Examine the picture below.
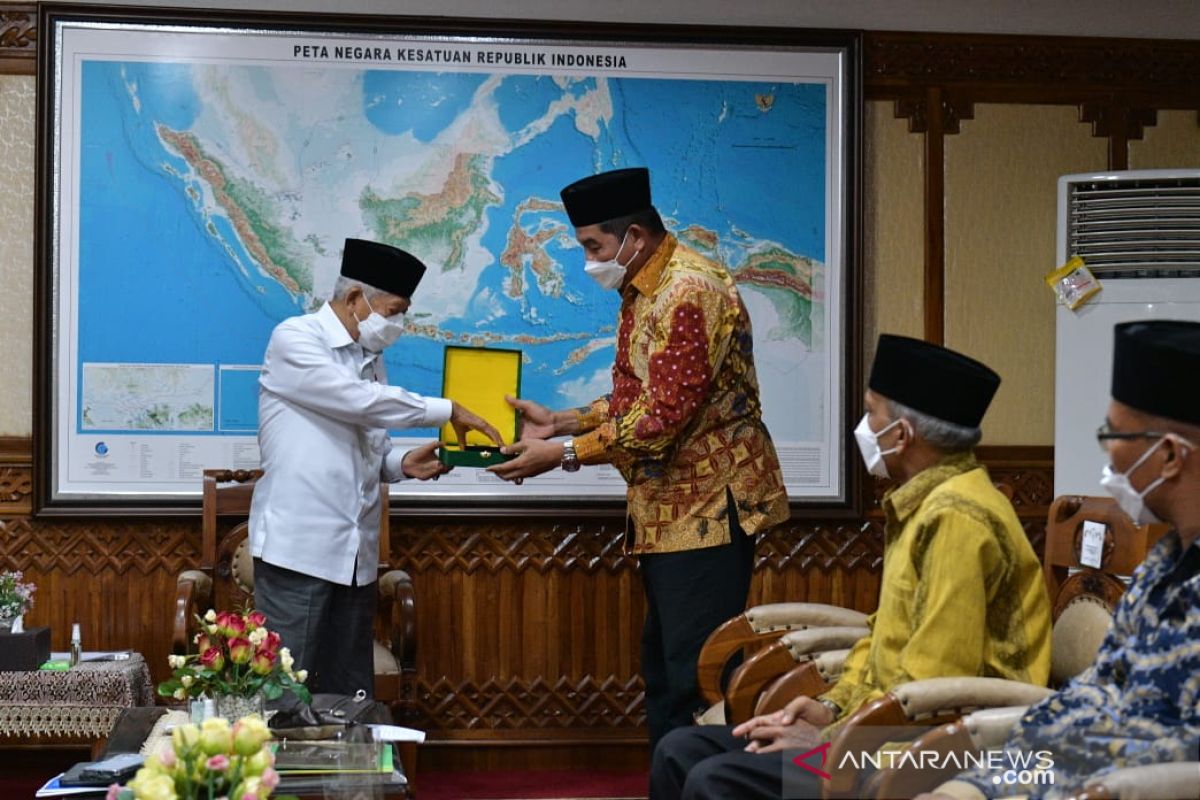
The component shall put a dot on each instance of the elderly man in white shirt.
(325, 408)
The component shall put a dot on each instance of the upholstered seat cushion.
(1078, 633)
(242, 567)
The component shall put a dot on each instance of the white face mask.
(868, 445)
(609, 274)
(377, 332)
(1131, 501)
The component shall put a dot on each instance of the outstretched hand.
(462, 419)
(534, 456)
(537, 421)
(422, 462)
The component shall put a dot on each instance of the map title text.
(445, 55)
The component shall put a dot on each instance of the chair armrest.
(810, 679)
(976, 733)
(989, 728)
(397, 602)
(762, 625)
(794, 616)
(1150, 782)
(749, 680)
(808, 645)
(937, 697)
(934, 701)
(193, 595)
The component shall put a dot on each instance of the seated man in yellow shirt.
(961, 593)
(1137, 705)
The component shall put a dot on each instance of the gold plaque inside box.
(478, 378)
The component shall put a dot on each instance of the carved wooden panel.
(18, 38)
(527, 625)
(16, 475)
(1032, 63)
(530, 706)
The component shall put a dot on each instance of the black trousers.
(327, 627)
(688, 594)
(706, 762)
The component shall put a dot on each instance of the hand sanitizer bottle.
(76, 646)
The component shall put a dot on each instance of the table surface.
(134, 725)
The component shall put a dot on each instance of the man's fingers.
(748, 726)
(492, 433)
(426, 450)
(766, 732)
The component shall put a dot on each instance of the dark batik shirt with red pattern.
(684, 422)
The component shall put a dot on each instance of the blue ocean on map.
(167, 275)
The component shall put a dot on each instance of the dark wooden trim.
(935, 220)
(16, 450)
(18, 38)
(1034, 68)
(1119, 124)
(1032, 455)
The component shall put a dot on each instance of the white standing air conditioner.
(1139, 234)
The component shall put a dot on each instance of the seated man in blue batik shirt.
(1139, 704)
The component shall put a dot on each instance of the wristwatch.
(570, 461)
(833, 707)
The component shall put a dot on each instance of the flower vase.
(6, 624)
(235, 706)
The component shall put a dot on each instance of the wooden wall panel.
(1173, 141)
(893, 234)
(1002, 173)
(528, 629)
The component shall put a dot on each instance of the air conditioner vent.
(1136, 227)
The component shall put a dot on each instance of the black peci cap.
(933, 380)
(1156, 368)
(609, 195)
(382, 266)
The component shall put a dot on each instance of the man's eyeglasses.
(1105, 433)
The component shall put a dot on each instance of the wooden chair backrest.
(227, 493)
(1125, 547)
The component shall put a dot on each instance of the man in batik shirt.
(683, 425)
(1139, 704)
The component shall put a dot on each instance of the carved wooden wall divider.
(527, 628)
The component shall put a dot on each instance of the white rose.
(302, 676)
(285, 659)
(211, 616)
(176, 662)
(257, 636)
(179, 694)
(187, 680)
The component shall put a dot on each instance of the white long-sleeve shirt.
(324, 409)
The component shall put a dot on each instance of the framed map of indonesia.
(198, 179)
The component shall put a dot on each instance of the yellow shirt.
(962, 590)
(684, 423)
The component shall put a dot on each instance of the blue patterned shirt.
(1139, 703)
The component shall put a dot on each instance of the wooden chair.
(225, 580)
(780, 665)
(749, 633)
(1083, 599)
(800, 662)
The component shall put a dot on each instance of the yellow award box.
(478, 378)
